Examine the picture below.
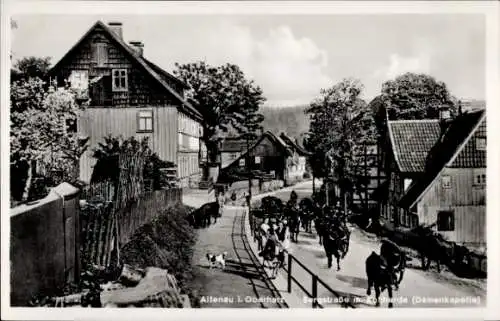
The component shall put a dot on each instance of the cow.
(395, 259)
(432, 247)
(334, 239)
(202, 217)
(306, 212)
(379, 277)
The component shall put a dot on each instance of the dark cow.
(307, 212)
(202, 217)
(395, 259)
(432, 247)
(379, 277)
(334, 239)
(292, 215)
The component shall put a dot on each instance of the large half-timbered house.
(130, 96)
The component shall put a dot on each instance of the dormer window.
(120, 81)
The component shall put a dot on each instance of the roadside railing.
(291, 279)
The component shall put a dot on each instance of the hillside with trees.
(291, 120)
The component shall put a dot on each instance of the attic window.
(481, 143)
(446, 182)
(120, 82)
(100, 53)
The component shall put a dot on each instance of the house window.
(481, 143)
(445, 221)
(242, 162)
(145, 121)
(100, 54)
(479, 179)
(446, 181)
(79, 79)
(257, 160)
(120, 80)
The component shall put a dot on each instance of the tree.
(33, 66)
(43, 133)
(412, 96)
(225, 98)
(341, 124)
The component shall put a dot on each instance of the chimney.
(116, 27)
(444, 118)
(138, 47)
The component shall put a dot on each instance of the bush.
(167, 242)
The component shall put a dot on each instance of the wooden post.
(289, 273)
(249, 176)
(314, 291)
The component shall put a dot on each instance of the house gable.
(445, 153)
(472, 155)
(146, 86)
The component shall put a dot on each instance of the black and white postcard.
(303, 156)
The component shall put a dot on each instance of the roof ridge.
(413, 121)
(393, 147)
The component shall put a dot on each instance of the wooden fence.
(50, 240)
(105, 229)
(44, 245)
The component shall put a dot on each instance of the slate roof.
(411, 141)
(452, 142)
(153, 70)
(469, 157)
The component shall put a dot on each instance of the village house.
(404, 152)
(451, 196)
(130, 96)
(364, 199)
(232, 148)
(270, 156)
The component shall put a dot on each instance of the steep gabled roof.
(269, 135)
(288, 140)
(147, 66)
(411, 141)
(444, 153)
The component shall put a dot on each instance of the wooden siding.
(463, 191)
(470, 223)
(99, 122)
(142, 89)
(467, 200)
(188, 148)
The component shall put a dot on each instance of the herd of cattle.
(274, 223)
(384, 270)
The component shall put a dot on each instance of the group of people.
(275, 237)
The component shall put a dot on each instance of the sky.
(291, 57)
